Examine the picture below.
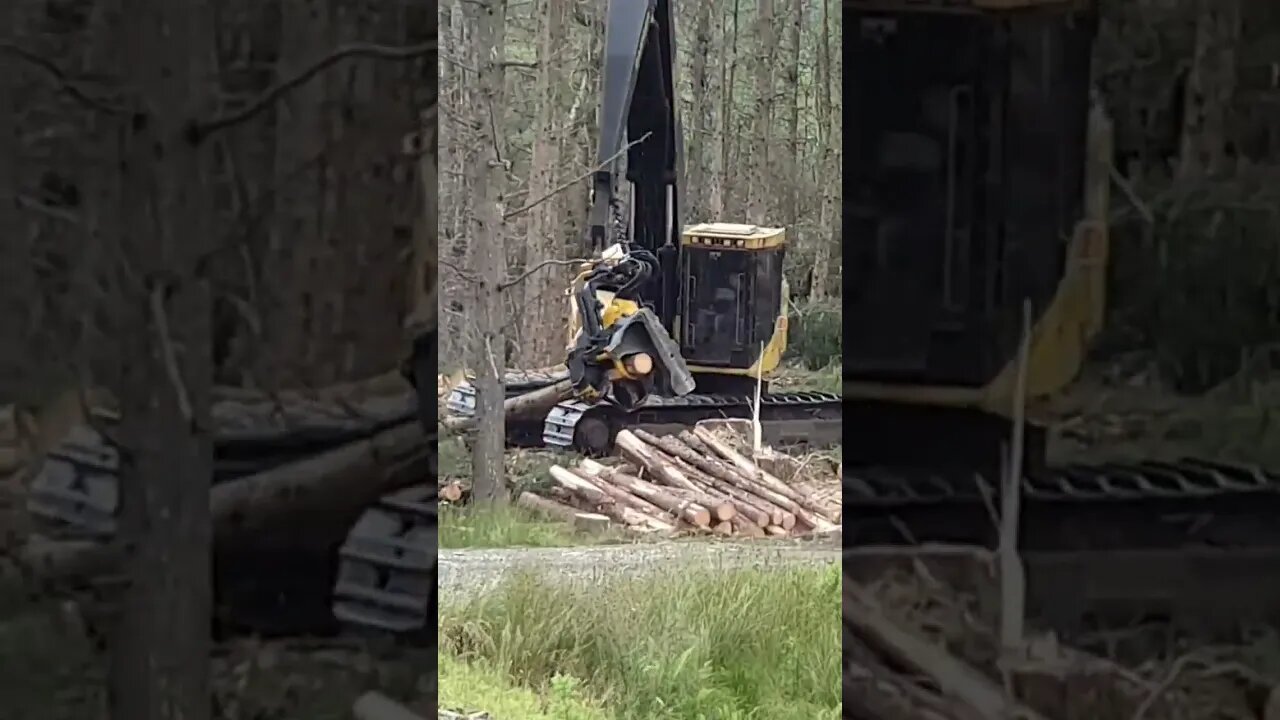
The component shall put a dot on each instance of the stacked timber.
(695, 480)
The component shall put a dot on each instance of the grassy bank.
(508, 526)
(740, 645)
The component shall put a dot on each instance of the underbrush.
(739, 645)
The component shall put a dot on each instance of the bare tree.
(544, 240)
(489, 168)
(161, 643)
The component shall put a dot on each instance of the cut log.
(686, 510)
(602, 501)
(376, 706)
(591, 523)
(335, 482)
(450, 492)
(754, 472)
(744, 526)
(652, 460)
(546, 507)
(597, 474)
(740, 506)
(724, 528)
(570, 481)
(717, 474)
(325, 486)
(655, 517)
(721, 510)
(530, 403)
(776, 531)
(793, 509)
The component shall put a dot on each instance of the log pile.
(695, 480)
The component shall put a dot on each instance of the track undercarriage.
(795, 418)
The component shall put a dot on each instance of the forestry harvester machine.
(669, 324)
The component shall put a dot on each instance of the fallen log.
(686, 510)
(591, 469)
(744, 526)
(350, 476)
(546, 507)
(529, 403)
(450, 492)
(580, 487)
(591, 522)
(715, 474)
(721, 511)
(757, 474)
(329, 487)
(602, 501)
(652, 460)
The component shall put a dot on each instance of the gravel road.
(466, 573)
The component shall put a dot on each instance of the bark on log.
(744, 526)
(740, 506)
(587, 491)
(529, 403)
(753, 471)
(347, 478)
(652, 460)
(686, 510)
(728, 479)
(546, 507)
(721, 510)
(597, 473)
(717, 475)
(602, 501)
(376, 706)
(350, 476)
(793, 511)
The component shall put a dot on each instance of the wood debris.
(919, 647)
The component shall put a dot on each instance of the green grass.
(480, 526)
(474, 686)
(744, 645)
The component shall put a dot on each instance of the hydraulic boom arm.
(639, 124)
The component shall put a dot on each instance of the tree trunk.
(542, 335)
(488, 254)
(159, 667)
(759, 183)
(700, 139)
(1211, 85)
(793, 117)
(829, 162)
(728, 128)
